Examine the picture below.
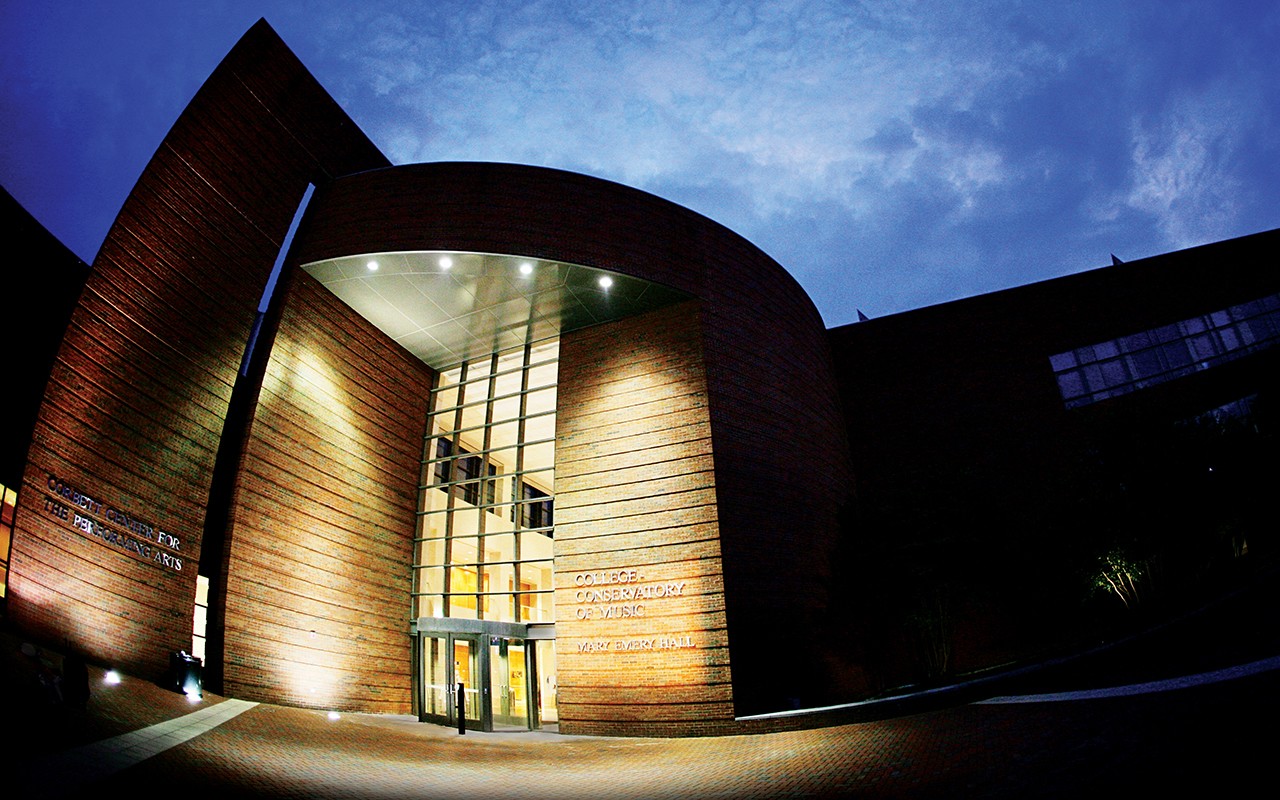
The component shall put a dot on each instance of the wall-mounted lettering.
(623, 594)
(108, 525)
(615, 594)
(636, 645)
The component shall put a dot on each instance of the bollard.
(462, 710)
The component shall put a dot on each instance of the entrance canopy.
(445, 307)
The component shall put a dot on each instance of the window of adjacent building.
(200, 617)
(8, 501)
(1148, 358)
(1239, 411)
(484, 543)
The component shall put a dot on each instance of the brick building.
(579, 449)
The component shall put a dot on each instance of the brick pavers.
(110, 710)
(1197, 737)
(1214, 738)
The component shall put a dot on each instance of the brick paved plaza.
(1213, 733)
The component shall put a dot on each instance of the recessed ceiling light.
(445, 262)
(373, 266)
(605, 281)
(526, 268)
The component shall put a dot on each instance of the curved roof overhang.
(446, 306)
(573, 229)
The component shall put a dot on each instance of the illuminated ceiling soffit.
(445, 307)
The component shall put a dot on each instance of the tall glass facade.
(486, 513)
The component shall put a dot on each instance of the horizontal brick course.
(324, 512)
(635, 458)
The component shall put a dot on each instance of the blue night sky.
(889, 154)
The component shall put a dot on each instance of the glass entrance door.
(509, 677)
(499, 671)
(434, 702)
(449, 659)
(470, 674)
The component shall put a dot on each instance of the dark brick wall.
(47, 294)
(968, 462)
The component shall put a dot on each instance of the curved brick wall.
(636, 507)
(776, 435)
(322, 524)
(127, 436)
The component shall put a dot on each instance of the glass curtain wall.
(486, 520)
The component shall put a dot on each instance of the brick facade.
(134, 410)
(317, 607)
(636, 509)
(679, 443)
(777, 435)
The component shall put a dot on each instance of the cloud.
(888, 154)
(786, 102)
(1183, 169)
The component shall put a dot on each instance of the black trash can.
(185, 674)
